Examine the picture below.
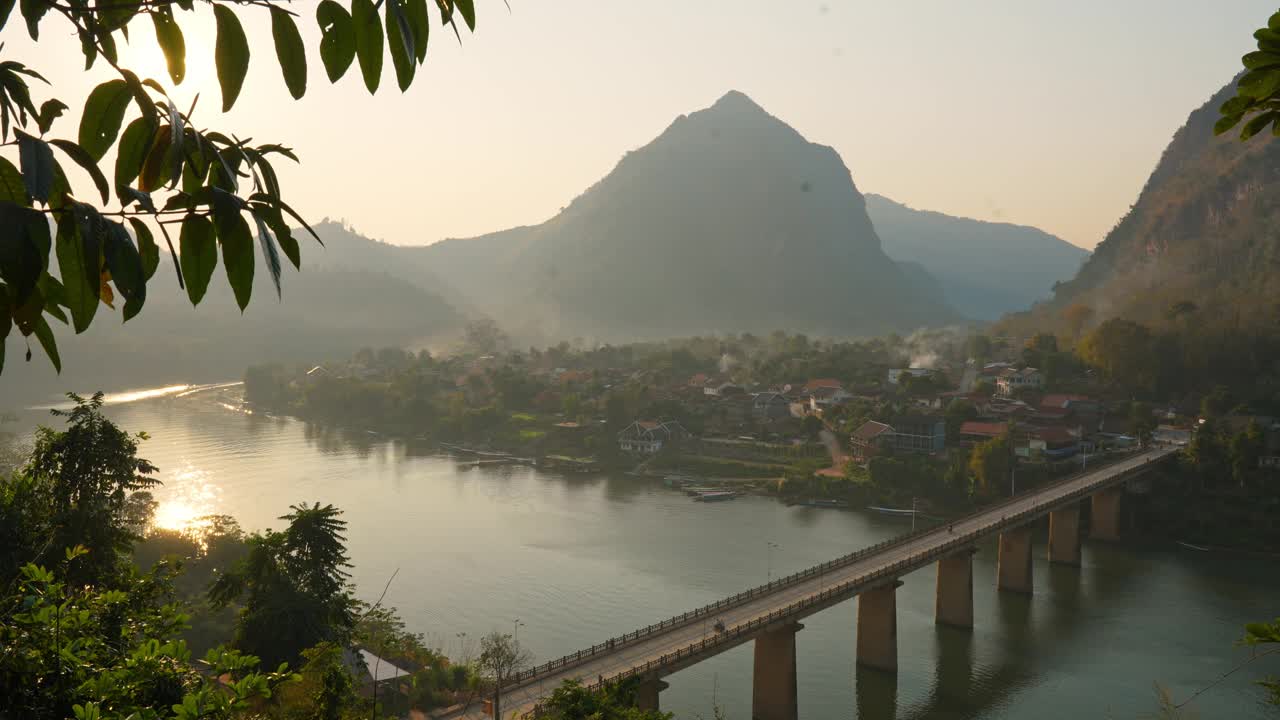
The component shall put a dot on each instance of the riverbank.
(584, 557)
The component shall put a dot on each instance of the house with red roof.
(867, 439)
(974, 432)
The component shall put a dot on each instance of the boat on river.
(822, 502)
(894, 511)
(696, 490)
(715, 496)
(1189, 546)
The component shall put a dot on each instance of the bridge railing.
(890, 572)
(806, 574)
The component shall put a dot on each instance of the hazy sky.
(1043, 113)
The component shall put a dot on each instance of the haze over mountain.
(986, 269)
(326, 312)
(1203, 230)
(728, 221)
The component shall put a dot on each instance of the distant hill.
(326, 312)
(728, 221)
(986, 269)
(1203, 230)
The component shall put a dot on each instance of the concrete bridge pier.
(647, 693)
(953, 603)
(1013, 565)
(1064, 535)
(773, 688)
(878, 627)
(1105, 514)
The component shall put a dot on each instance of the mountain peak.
(737, 100)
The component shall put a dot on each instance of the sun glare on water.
(189, 501)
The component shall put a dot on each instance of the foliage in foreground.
(88, 652)
(169, 171)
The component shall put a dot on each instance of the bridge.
(770, 614)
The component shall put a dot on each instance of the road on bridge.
(609, 663)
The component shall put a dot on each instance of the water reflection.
(875, 693)
(190, 501)
(584, 557)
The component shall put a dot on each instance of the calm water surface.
(579, 559)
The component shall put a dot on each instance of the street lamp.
(769, 560)
(515, 630)
(913, 514)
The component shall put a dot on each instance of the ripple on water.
(579, 560)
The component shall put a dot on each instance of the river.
(567, 561)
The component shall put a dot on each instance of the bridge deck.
(686, 641)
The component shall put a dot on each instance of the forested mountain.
(728, 221)
(326, 312)
(985, 269)
(1201, 239)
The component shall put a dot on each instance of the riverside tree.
(172, 175)
(77, 488)
(294, 585)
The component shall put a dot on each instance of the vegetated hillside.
(728, 221)
(1203, 231)
(986, 269)
(325, 313)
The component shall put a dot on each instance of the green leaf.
(129, 195)
(155, 169)
(271, 215)
(32, 11)
(54, 296)
(1257, 123)
(290, 52)
(277, 202)
(6, 7)
(169, 38)
(175, 156)
(421, 25)
(81, 158)
(45, 335)
(88, 48)
(1236, 105)
(132, 152)
(400, 43)
(125, 264)
(199, 255)
(23, 253)
(1225, 123)
(368, 33)
(49, 111)
(141, 98)
(80, 279)
(237, 250)
(1259, 84)
(37, 166)
(12, 187)
(148, 250)
(115, 15)
(230, 54)
(103, 113)
(338, 39)
(1267, 38)
(468, 10)
(269, 252)
(1260, 59)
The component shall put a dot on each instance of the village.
(980, 417)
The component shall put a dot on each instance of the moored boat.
(715, 496)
